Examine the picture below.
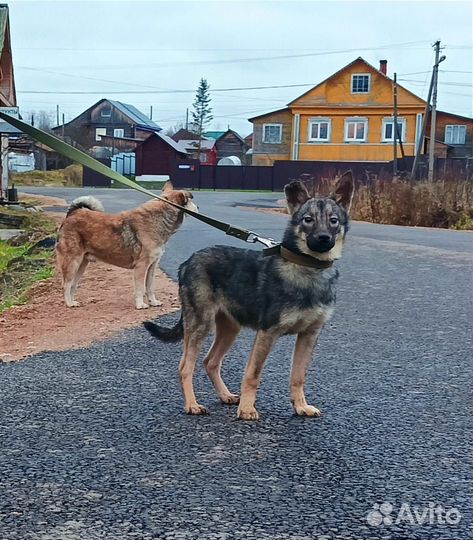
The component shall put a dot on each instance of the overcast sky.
(143, 53)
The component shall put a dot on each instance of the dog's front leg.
(150, 284)
(139, 277)
(301, 358)
(261, 348)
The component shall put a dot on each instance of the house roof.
(268, 113)
(184, 134)
(359, 59)
(192, 144)
(213, 134)
(134, 114)
(173, 144)
(455, 115)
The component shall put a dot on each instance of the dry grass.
(444, 204)
(71, 176)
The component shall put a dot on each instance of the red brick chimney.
(383, 66)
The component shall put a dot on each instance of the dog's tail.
(168, 335)
(91, 203)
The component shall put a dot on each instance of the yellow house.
(347, 117)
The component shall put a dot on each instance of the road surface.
(94, 443)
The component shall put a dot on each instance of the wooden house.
(110, 119)
(349, 117)
(7, 79)
(157, 154)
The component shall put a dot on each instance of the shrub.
(442, 204)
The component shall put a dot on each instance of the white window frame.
(353, 75)
(356, 120)
(106, 110)
(119, 132)
(390, 120)
(99, 132)
(458, 126)
(280, 126)
(319, 120)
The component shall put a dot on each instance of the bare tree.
(43, 120)
(170, 131)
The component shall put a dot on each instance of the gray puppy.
(291, 291)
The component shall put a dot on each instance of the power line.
(175, 91)
(245, 60)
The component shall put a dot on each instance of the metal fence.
(191, 174)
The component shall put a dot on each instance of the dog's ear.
(296, 195)
(167, 186)
(181, 198)
(344, 191)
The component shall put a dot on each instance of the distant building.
(208, 150)
(105, 123)
(228, 143)
(157, 155)
(349, 117)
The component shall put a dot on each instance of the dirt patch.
(105, 292)
(278, 211)
(41, 200)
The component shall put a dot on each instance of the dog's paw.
(249, 413)
(73, 304)
(141, 305)
(230, 399)
(195, 408)
(307, 410)
(155, 303)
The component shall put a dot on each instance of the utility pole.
(63, 122)
(187, 119)
(433, 116)
(395, 125)
(150, 112)
(57, 115)
(420, 142)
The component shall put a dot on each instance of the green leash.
(84, 159)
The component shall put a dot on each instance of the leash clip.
(267, 242)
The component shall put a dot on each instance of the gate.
(124, 163)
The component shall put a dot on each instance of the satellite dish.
(230, 160)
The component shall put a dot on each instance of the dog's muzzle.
(320, 243)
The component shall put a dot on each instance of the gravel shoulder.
(105, 292)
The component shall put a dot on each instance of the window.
(388, 129)
(106, 112)
(356, 130)
(455, 134)
(319, 129)
(272, 133)
(118, 132)
(360, 84)
(99, 132)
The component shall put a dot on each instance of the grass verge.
(23, 260)
(71, 176)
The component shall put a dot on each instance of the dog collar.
(296, 258)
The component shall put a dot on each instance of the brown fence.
(191, 174)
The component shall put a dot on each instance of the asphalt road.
(94, 443)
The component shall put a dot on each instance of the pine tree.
(202, 113)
